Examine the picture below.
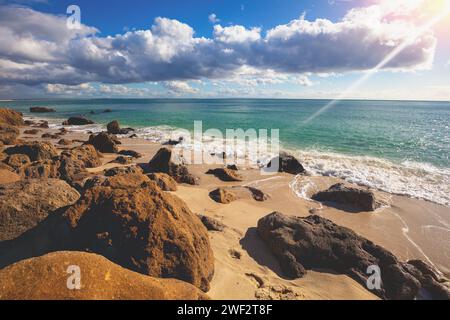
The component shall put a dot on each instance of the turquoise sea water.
(381, 139)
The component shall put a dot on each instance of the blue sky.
(224, 48)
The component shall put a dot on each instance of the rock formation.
(317, 243)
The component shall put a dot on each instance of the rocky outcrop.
(317, 243)
(104, 142)
(164, 181)
(17, 161)
(130, 153)
(212, 224)
(223, 196)
(77, 121)
(357, 198)
(162, 163)
(225, 174)
(100, 280)
(36, 151)
(41, 110)
(8, 134)
(11, 117)
(287, 163)
(85, 154)
(114, 128)
(26, 203)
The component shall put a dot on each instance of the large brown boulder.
(104, 142)
(317, 243)
(129, 220)
(162, 163)
(8, 134)
(41, 110)
(77, 121)
(358, 198)
(26, 203)
(36, 151)
(164, 181)
(86, 154)
(42, 169)
(47, 278)
(11, 117)
(225, 174)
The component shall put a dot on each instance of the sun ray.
(392, 55)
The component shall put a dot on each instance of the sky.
(323, 49)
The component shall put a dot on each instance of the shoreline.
(410, 228)
(413, 179)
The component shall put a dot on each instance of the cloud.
(213, 18)
(38, 49)
(179, 87)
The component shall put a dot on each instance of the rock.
(77, 121)
(223, 196)
(29, 122)
(212, 224)
(50, 136)
(8, 134)
(225, 174)
(32, 131)
(100, 280)
(287, 163)
(317, 243)
(36, 151)
(26, 203)
(130, 153)
(4, 166)
(17, 161)
(43, 124)
(104, 142)
(42, 169)
(173, 142)
(41, 110)
(360, 199)
(162, 163)
(122, 170)
(257, 194)
(130, 221)
(133, 136)
(64, 142)
(114, 128)
(85, 154)
(164, 181)
(107, 111)
(6, 176)
(63, 131)
(11, 117)
(123, 160)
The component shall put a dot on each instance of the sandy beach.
(244, 266)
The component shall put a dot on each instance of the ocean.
(402, 147)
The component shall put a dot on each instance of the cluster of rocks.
(54, 213)
(301, 244)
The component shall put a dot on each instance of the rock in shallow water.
(358, 198)
(100, 280)
(77, 121)
(317, 243)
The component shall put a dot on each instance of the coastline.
(410, 228)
